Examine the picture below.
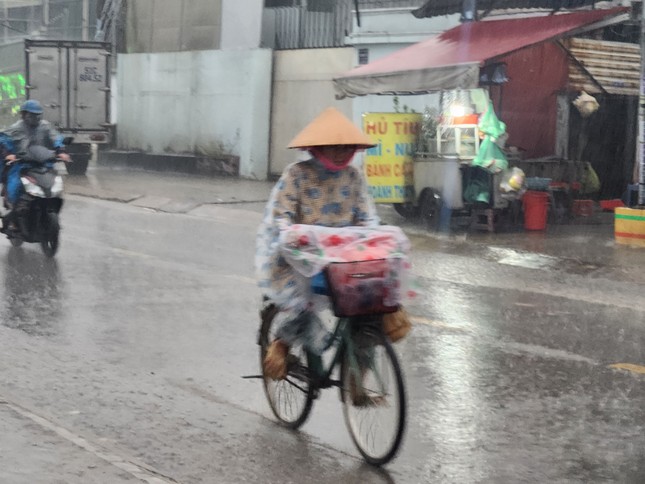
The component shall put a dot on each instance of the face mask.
(32, 120)
(328, 163)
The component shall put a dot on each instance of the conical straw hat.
(331, 127)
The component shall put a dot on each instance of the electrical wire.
(3, 24)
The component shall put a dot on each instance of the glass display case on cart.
(460, 140)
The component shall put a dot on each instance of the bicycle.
(370, 382)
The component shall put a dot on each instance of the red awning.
(452, 60)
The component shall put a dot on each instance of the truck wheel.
(430, 209)
(78, 166)
(406, 210)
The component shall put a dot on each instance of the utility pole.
(5, 21)
(641, 115)
(45, 28)
(85, 16)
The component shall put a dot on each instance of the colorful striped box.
(629, 226)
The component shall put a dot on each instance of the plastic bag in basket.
(309, 249)
(364, 287)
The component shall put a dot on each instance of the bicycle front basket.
(359, 288)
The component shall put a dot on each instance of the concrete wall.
(173, 25)
(180, 25)
(209, 103)
(241, 24)
(302, 88)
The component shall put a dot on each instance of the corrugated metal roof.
(435, 8)
(20, 3)
(613, 65)
(452, 60)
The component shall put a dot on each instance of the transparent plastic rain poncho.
(314, 217)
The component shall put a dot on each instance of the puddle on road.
(523, 259)
(461, 245)
(532, 260)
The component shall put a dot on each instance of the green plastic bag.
(490, 125)
(490, 155)
(590, 183)
(477, 184)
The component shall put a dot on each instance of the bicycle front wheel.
(373, 395)
(290, 398)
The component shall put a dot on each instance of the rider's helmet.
(31, 111)
(31, 106)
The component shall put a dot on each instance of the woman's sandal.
(360, 398)
(275, 360)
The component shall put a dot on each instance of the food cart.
(440, 164)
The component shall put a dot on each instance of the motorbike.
(35, 215)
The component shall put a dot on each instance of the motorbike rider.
(30, 130)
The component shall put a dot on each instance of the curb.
(227, 165)
(102, 194)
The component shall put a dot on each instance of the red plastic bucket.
(535, 208)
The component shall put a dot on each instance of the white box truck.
(72, 81)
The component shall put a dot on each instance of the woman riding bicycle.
(322, 189)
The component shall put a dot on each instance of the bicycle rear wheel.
(290, 399)
(373, 395)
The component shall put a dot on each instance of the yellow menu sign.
(389, 165)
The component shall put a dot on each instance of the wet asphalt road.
(129, 347)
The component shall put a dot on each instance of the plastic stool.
(583, 208)
(630, 197)
(483, 219)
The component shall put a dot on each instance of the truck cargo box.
(72, 81)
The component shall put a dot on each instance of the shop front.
(517, 69)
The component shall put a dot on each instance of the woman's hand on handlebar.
(10, 159)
